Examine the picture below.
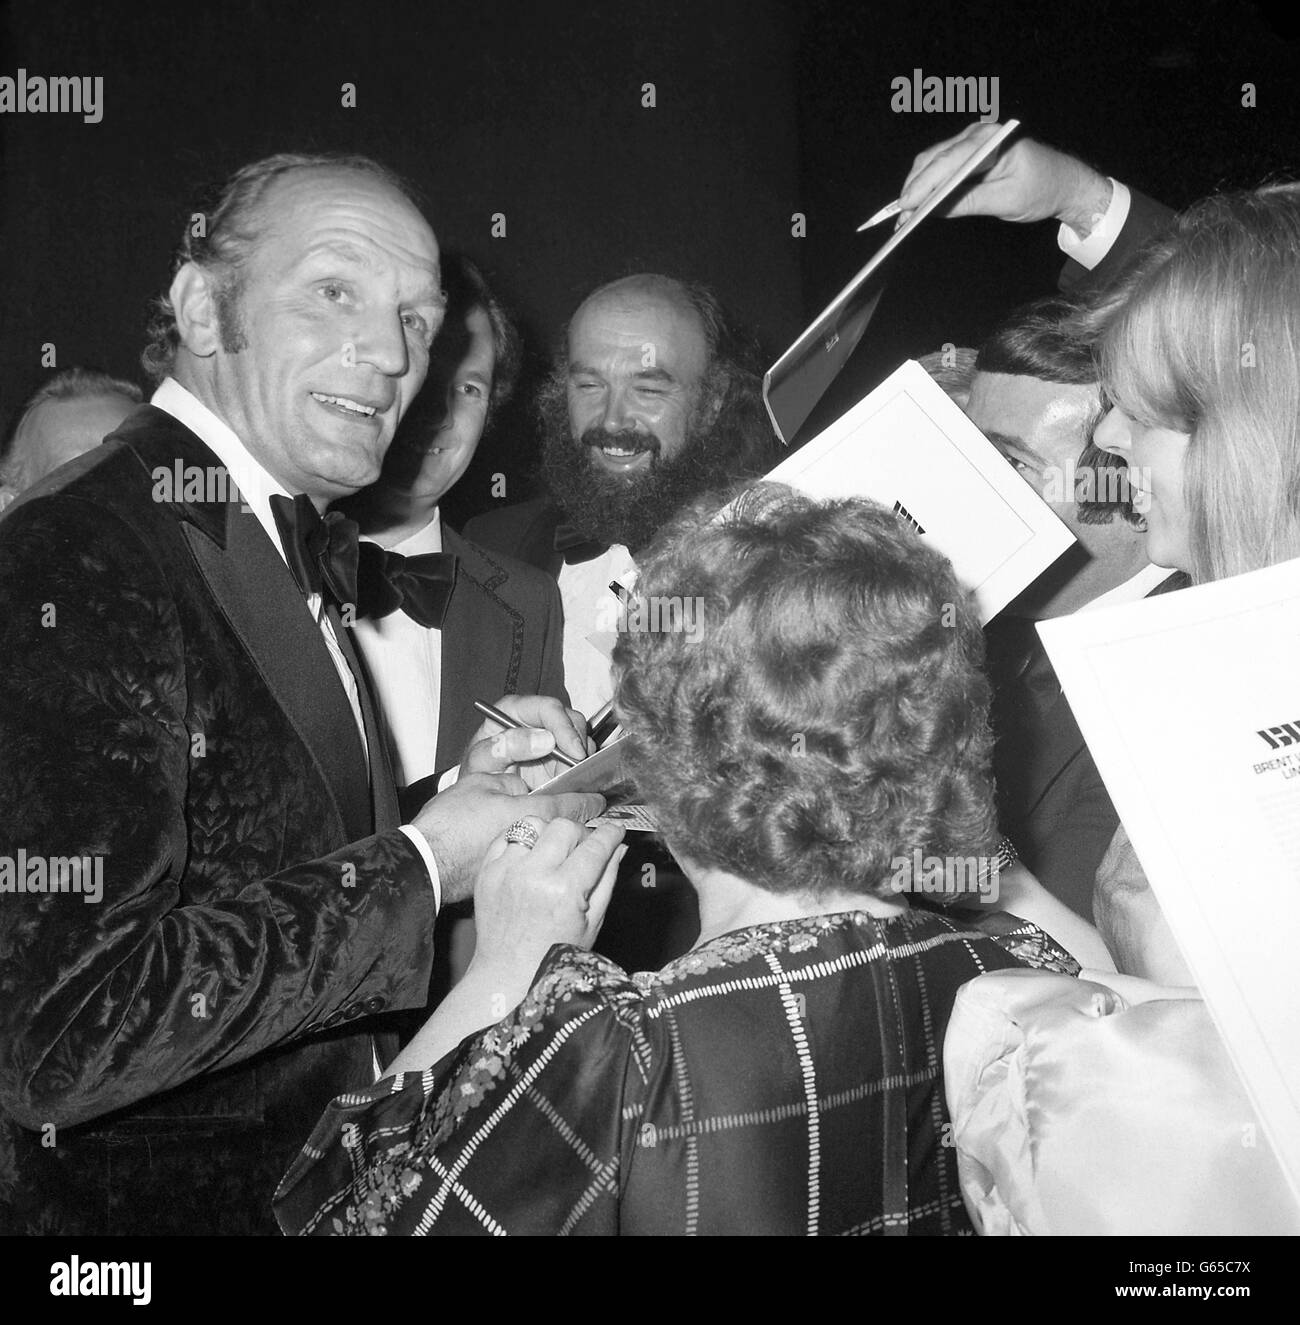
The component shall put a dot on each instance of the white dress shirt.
(404, 660)
(1132, 589)
(1089, 252)
(256, 488)
(588, 637)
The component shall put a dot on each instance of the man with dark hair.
(184, 717)
(1035, 396)
(499, 627)
(72, 412)
(952, 368)
(656, 399)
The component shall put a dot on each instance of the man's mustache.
(626, 439)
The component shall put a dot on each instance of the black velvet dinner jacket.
(169, 708)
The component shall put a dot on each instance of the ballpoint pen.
(496, 714)
(888, 210)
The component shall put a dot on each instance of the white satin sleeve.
(1075, 1112)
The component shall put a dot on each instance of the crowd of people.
(239, 654)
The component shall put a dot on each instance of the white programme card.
(909, 447)
(603, 772)
(1190, 705)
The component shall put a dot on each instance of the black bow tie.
(420, 586)
(321, 552)
(577, 546)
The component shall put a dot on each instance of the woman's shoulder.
(573, 980)
(847, 938)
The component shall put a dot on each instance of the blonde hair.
(1203, 336)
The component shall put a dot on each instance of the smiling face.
(1157, 459)
(637, 360)
(337, 306)
(426, 462)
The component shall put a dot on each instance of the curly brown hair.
(829, 716)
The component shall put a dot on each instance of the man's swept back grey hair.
(228, 232)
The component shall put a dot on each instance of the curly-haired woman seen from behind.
(806, 715)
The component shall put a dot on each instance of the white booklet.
(1190, 704)
(604, 772)
(910, 448)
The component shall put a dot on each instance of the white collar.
(426, 539)
(1132, 589)
(256, 485)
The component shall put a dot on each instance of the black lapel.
(482, 646)
(1175, 580)
(1062, 740)
(256, 593)
(1037, 737)
(1065, 740)
(383, 785)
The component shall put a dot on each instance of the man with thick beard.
(656, 399)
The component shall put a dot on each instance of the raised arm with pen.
(1102, 221)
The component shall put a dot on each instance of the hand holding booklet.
(603, 772)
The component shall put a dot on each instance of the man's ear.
(195, 306)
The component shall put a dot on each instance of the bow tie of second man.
(327, 557)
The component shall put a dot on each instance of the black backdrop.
(763, 108)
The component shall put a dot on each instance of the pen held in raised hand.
(888, 210)
(499, 715)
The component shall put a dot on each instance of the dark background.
(764, 108)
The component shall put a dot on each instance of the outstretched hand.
(526, 900)
(1026, 181)
(463, 821)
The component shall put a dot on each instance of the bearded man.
(657, 399)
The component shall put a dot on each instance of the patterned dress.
(780, 1079)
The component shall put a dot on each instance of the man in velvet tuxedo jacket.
(185, 712)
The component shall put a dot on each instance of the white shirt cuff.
(430, 864)
(1089, 252)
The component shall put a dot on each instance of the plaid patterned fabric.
(758, 1084)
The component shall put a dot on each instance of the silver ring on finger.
(523, 834)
